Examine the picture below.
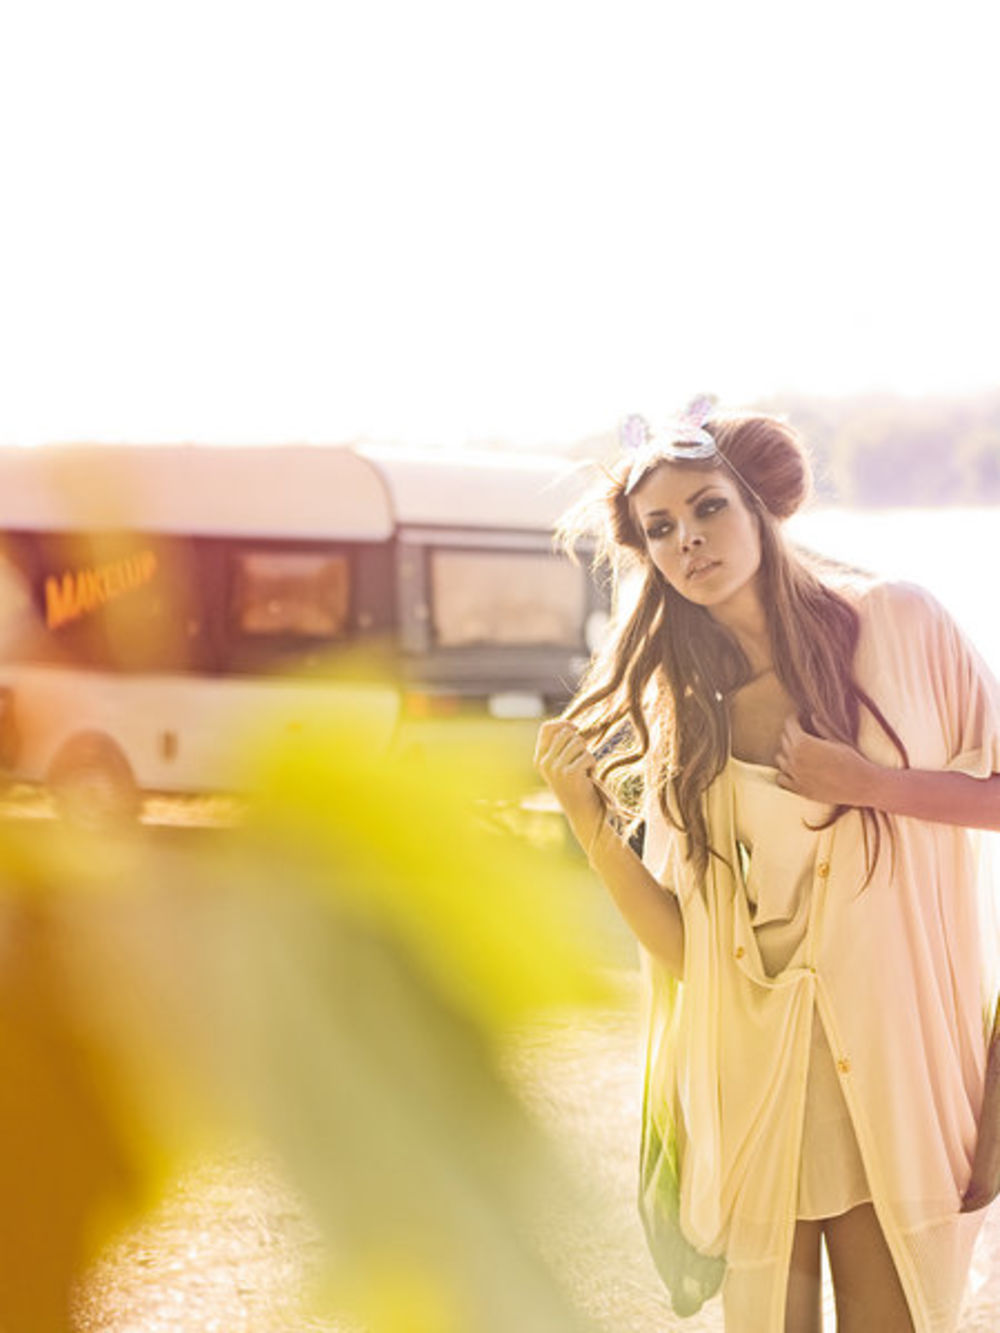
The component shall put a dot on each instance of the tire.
(93, 785)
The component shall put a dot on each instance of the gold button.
(740, 951)
(843, 1066)
(823, 869)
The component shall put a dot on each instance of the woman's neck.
(744, 616)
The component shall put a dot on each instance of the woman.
(813, 911)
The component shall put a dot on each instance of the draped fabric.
(777, 833)
(902, 974)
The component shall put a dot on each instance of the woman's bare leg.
(865, 1282)
(803, 1309)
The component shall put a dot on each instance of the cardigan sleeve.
(971, 703)
(659, 853)
(943, 683)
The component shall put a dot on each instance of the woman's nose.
(690, 539)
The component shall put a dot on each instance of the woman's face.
(699, 533)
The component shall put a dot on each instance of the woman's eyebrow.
(658, 513)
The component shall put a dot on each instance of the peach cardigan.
(903, 976)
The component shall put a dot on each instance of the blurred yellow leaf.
(402, 842)
(67, 1172)
(333, 980)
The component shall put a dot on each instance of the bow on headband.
(682, 437)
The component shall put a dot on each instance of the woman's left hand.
(823, 770)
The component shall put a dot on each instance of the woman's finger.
(564, 747)
(818, 729)
(581, 763)
(543, 740)
(791, 732)
(553, 737)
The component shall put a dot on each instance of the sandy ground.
(231, 1252)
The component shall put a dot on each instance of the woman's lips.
(702, 568)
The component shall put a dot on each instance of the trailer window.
(115, 601)
(291, 594)
(506, 597)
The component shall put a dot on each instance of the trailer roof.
(206, 490)
(278, 490)
(437, 488)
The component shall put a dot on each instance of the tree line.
(880, 449)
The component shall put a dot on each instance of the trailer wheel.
(93, 785)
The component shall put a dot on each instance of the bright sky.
(468, 219)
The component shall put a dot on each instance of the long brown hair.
(663, 680)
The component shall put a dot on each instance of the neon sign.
(76, 593)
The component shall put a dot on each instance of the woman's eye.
(712, 505)
(657, 530)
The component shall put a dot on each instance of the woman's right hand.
(568, 767)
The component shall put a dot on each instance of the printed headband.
(682, 437)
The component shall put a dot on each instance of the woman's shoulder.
(902, 622)
(892, 601)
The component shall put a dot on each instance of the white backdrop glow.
(464, 220)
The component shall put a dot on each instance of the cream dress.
(776, 844)
(897, 980)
